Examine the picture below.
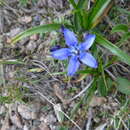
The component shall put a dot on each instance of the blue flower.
(77, 52)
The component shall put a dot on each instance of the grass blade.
(82, 4)
(11, 62)
(114, 49)
(34, 30)
(100, 9)
(122, 10)
(120, 28)
(123, 85)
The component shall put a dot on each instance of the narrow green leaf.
(120, 28)
(103, 83)
(122, 10)
(77, 21)
(125, 37)
(11, 62)
(112, 48)
(34, 30)
(82, 4)
(87, 71)
(101, 87)
(84, 15)
(100, 8)
(123, 85)
(2, 79)
(62, 128)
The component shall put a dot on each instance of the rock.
(50, 119)
(25, 127)
(25, 111)
(97, 101)
(25, 19)
(29, 112)
(34, 37)
(2, 109)
(35, 108)
(42, 117)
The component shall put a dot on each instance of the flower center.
(75, 50)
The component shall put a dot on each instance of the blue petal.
(73, 65)
(61, 54)
(70, 37)
(89, 40)
(88, 59)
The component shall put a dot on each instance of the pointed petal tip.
(95, 66)
(89, 40)
(90, 37)
(70, 37)
(88, 59)
(70, 74)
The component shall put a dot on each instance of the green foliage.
(113, 48)
(123, 85)
(120, 28)
(77, 21)
(62, 128)
(100, 8)
(23, 2)
(12, 62)
(85, 20)
(2, 2)
(124, 29)
(35, 30)
(125, 37)
(93, 17)
(124, 11)
(2, 79)
(82, 4)
(14, 94)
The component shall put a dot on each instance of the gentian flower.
(78, 53)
